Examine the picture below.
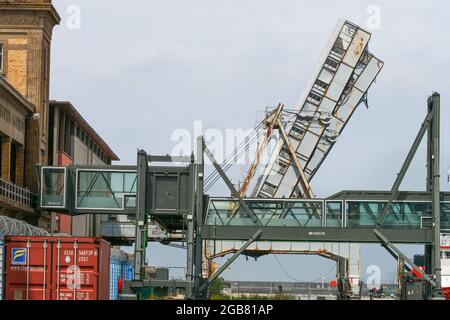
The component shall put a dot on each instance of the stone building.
(34, 130)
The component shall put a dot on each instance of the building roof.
(76, 116)
(35, 5)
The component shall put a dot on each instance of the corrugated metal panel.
(122, 267)
(53, 268)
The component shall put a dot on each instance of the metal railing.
(15, 194)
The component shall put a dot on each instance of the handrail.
(15, 193)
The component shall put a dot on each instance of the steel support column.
(141, 216)
(434, 105)
(198, 219)
(191, 235)
(344, 286)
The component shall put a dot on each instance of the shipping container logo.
(19, 256)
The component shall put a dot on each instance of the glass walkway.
(323, 213)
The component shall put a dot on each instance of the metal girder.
(141, 219)
(434, 108)
(405, 166)
(230, 261)
(307, 191)
(271, 120)
(396, 252)
(294, 234)
(230, 186)
(168, 158)
(176, 284)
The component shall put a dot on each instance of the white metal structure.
(339, 85)
(345, 73)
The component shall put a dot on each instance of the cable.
(296, 280)
(285, 271)
(326, 274)
(236, 154)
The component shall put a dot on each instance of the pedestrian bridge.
(347, 216)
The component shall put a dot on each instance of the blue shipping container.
(121, 267)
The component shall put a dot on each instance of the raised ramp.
(346, 71)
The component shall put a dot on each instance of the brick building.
(33, 129)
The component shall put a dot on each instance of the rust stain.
(360, 47)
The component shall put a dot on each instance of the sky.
(139, 70)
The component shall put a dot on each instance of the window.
(297, 132)
(282, 167)
(337, 51)
(321, 86)
(269, 188)
(285, 153)
(331, 64)
(314, 98)
(2, 55)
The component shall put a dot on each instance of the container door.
(75, 271)
(28, 270)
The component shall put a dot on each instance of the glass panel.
(445, 215)
(405, 215)
(271, 213)
(334, 214)
(104, 189)
(53, 188)
(301, 213)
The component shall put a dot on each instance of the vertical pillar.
(141, 217)
(190, 234)
(198, 263)
(434, 101)
(20, 156)
(6, 158)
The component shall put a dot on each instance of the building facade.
(33, 130)
(73, 141)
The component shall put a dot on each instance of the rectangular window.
(297, 132)
(269, 188)
(338, 52)
(320, 86)
(331, 64)
(282, 167)
(314, 98)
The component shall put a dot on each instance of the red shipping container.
(56, 268)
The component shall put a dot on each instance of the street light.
(33, 116)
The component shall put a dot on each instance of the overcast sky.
(138, 70)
